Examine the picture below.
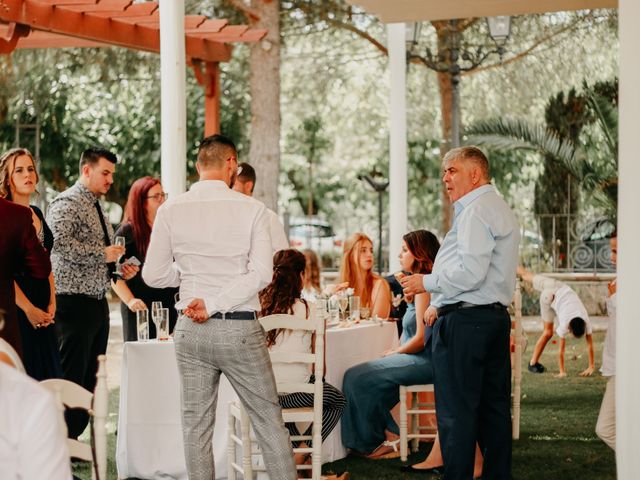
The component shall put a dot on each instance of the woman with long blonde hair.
(357, 271)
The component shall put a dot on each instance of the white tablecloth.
(149, 441)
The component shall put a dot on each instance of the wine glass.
(343, 303)
(120, 242)
(156, 307)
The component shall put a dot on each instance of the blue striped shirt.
(478, 257)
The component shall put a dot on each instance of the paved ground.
(531, 325)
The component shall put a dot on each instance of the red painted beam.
(98, 27)
(104, 6)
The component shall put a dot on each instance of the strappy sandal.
(384, 446)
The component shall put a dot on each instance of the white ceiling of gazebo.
(422, 10)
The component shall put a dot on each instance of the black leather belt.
(234, 315)
(464, 305)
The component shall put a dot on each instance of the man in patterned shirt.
(80, 256)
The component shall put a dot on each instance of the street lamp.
(457, 57)
(380, 187)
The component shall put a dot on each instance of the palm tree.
(599, 179)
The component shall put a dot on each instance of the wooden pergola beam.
(119, 23)
(100, 23)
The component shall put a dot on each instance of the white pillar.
(173, 104)
(397, 141)
(628, 323)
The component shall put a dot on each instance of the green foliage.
(560, 142)
(308, 144)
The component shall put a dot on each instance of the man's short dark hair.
(214, 150)
(577, 327)
(246, 173)
(91, 156)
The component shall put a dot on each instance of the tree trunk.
(264, 153)
(444, 86)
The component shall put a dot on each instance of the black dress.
(41, 353)
(144, 292)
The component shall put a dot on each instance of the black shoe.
(536, 368)
(427, 471)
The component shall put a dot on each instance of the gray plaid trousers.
(236, 348)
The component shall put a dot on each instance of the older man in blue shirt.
(471, 284)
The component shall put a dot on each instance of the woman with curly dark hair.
(282, 295)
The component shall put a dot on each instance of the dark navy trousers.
(472, 373)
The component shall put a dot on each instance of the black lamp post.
(380, 187)
(458, 56)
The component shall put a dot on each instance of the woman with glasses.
(145, 197)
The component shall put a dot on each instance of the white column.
(173, 97)
(628, 323)
(397, 141)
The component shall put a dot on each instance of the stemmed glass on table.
(343, 303)
(160, 317)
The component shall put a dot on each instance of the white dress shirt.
(279, 240)
(214, 243)
(32, 446)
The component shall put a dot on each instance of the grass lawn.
(557, 438)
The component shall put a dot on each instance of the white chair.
(72, 395)
(237, 413)
(11, 355)
(415, 409)
(516, 362)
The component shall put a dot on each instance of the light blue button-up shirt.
(478, 257)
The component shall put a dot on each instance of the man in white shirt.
(245, 183)
(559, 300)
(606, 425)
(32, 446)
(214, 244)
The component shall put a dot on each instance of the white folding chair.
(516, 362)
(11, 354)
(237, 413)
(415, 409)
(72, 395)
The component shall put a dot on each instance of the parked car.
(317, 235)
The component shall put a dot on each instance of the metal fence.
(567, 243)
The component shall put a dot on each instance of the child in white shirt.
(559, 300)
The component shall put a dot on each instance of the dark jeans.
(82, 324)
(472, 384)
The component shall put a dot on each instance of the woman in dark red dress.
(35, 297)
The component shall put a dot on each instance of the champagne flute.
(155, 314)
(120, 242)
(343, 303)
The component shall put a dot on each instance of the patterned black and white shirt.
(77, 258)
